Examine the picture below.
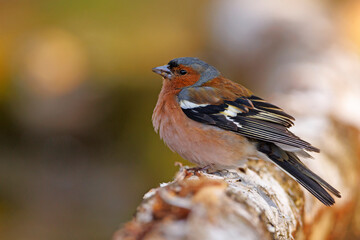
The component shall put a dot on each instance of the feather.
(297, 170)
(252, 117)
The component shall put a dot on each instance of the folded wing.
(249, 116)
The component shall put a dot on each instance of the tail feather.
(292, 165)
(296, 161)
(307, 182)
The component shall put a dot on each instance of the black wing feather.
(256, 119)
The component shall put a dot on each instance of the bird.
(212, 121)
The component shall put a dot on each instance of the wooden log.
(258, 201)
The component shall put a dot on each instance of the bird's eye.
(183, 72)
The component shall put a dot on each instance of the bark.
(258, 201)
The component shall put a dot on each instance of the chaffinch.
(212, 121)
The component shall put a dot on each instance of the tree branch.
(256, 202)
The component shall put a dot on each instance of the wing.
(249, 115)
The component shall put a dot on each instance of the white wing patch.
(231, 111)
(185, 104)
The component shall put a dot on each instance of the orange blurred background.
(77, 147)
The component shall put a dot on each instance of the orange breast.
(199, 143)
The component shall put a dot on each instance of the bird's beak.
(164, 71)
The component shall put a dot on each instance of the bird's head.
(187, 71)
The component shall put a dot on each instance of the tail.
(292, 165)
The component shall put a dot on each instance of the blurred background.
(77, 147)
